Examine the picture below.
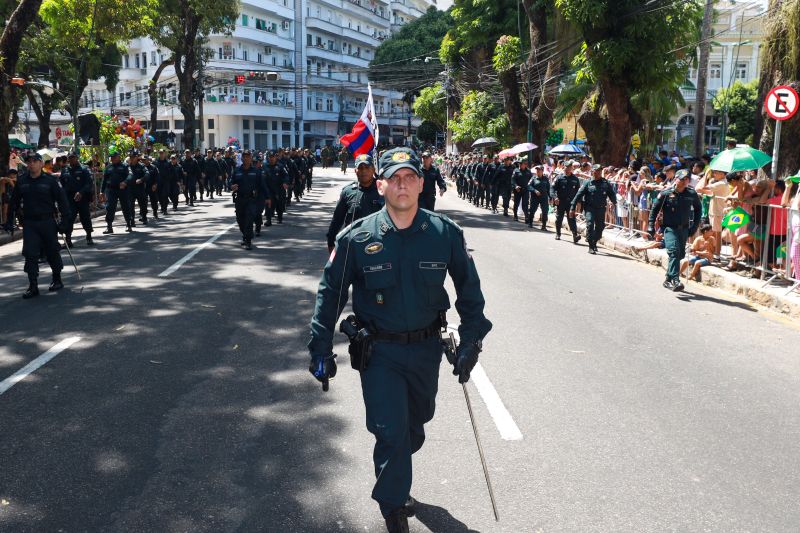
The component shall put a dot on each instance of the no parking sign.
(781, 104)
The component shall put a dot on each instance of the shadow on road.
(439, 520)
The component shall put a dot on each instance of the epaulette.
(353, 225)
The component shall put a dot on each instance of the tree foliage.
(629, 47)
(399, 62)
(427, 132)
(741, 105)
(477, 24)
(507, 53)
(480, 117)
(431, 105)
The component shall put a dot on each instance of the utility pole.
(702, 79)
(200, 98)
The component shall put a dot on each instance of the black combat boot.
(56, 284)
(108, 230)
(410, 506)
(33, 289)
(67, 241)
(129, 228)
(89, 241)
(397, 521)
(248, 245)
(576, 238)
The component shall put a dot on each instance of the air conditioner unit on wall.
(285, 24)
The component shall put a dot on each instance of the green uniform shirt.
(398, 278)
(593, 194)
(679, 209)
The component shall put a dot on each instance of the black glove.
(466, 359)
(323, 367)
(651, 230)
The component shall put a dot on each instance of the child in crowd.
(702, 252)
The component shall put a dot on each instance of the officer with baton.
(397, 260)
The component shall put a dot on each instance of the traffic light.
(256, 75)
(239, 79)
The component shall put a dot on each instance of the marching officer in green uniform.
(564, 189)
(357, 200)
(397, 260)
(592, 196)
(38, 196)
(681, 208)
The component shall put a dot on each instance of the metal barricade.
(781, 249)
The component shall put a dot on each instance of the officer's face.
(247, 160)
(35, 166)
(365, 173)
(402, 190)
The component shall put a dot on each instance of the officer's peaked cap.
(393, 160)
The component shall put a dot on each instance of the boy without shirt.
(702, 252)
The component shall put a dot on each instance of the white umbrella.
(522, 148)
(566, 149)
(47, 154)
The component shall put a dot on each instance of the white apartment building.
(320, 50)
(735, 55)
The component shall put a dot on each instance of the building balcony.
(401, 7)
(354, 35)
(362, 9)
(332, 26)
(284, 12)
(355, 60)
(313, 114)
(335, 4)
(252, 108)
(324, 53)
(132, 74)
(261, 37)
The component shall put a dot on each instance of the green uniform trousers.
(675, 243)
(399, 387)
(595, 224)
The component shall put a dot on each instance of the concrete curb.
(772, 297)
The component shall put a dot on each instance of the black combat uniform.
(251, 195)
(138, 188)
(191, 171)
(37, 200)
(539, 188)
(116, 179)
(433, 179)
(355, 202)
(78, 180)
(520, 180)
(502, 182)
(278, 183)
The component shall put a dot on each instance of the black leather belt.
(409, 337)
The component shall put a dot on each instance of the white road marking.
(193, 253)
(37, 363)
(502, 418)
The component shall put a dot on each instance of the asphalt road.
(186, 405)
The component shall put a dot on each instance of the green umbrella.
(16, 143)
(737, 159)
(794, 179)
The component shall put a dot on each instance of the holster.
(361, 342)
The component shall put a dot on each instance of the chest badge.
(362, 236)
(373, 248)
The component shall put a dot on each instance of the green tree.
(431, 105)
(14, 30)
(183, 29)
(741, 105)
(629, 47)
(478, 117)
(400, 61)
(780, 66)
(427, 132)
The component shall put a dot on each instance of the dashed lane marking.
(187, 257)
(37, 363)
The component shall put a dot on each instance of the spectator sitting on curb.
(701, 253)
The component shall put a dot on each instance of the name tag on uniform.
(377, 268)
(431, 265)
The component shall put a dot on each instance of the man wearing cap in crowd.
(38, 196)
(397, 260)
(519, 180)
(564, 189)
(682, 212)
(140, 177)
(252, 194)
(539, 188)
(79, 187)
(502, 184)
(191, 171)
(356, 200)
(593, 196)
(432, 179)
(114, 190)
(278, 181)
(153, 180)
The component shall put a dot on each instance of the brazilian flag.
(736, 219)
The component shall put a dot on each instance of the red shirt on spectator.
(779, 215)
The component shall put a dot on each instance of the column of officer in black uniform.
(251, 195)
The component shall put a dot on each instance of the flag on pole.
(364, 137)
(736, 219)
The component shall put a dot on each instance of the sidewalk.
(774, 296)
